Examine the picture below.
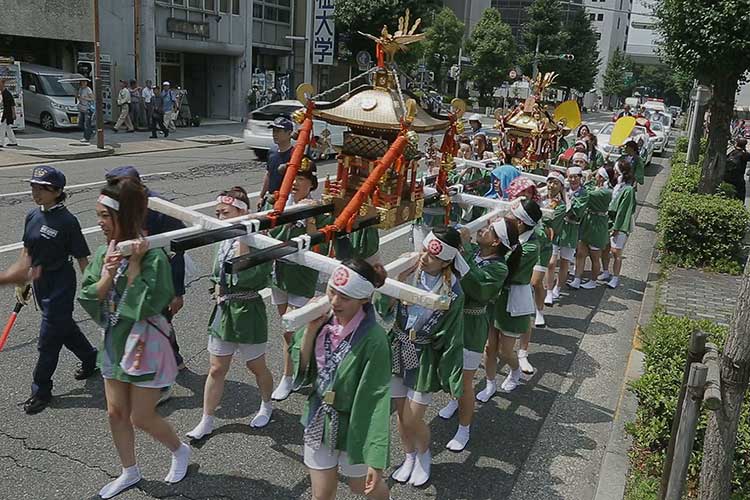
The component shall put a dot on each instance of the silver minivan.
(46, 100)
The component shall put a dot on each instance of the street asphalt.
(66, 451)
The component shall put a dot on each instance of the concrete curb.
(99, 153)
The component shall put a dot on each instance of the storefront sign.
(324, 33)
(175, 25)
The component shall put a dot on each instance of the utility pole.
(98, 80)
(535, 62)
(458, 74)
(702, 95)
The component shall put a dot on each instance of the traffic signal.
(568, 57)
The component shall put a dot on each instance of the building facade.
(468, 11)
(642, 37)
(515, 12)
(611, 21)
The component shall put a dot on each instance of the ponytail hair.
(133, 200)
(237, 192)
(375, 274)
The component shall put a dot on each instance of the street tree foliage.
(660, 81)
(544, 24)
(440, 49)
(614, 84)
(580, 73)
(709, 38)
(369, 16)
(492, 50)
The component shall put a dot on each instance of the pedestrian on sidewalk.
(157, 114)
(634, 158)
(238, 326)
(737, 161)
(52, 240)
(86, 106)
(170, 105)
(123, 100)
(126, 297)
(136, 110)
(482, 286)
(8, 117)
(148, 93)
(427, 347)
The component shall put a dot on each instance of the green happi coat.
(639, 168)
(480, 180)
(574, 213)
(294, 278)
(555, 223)
(440, 344)
(361, 245)
(545, 246)
(240, 319)
(595, 225)
(150, 293)
(520, 276)
(481, 285)
(621, 210)
(362, 394)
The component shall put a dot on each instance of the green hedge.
(665, 341)
(681, 145)
(697, 230)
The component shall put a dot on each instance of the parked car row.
(646, 144)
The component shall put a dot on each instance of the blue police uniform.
(158, 223)
(53, 238)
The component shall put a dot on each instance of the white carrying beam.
(460, 162)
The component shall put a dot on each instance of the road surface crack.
(18, 464)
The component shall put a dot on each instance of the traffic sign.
(364, 60)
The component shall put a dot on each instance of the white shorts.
(399, 390)
(541, 269)
(472, 360)
(566, 253)
(618, 241)
(595, 249)
(325, 458)
(280, 297)
(245, 352)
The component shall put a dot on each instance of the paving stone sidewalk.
(700, 295)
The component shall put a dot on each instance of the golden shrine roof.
(375, 108)
(527, 121)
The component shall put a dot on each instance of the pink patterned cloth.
(148, 351)
(337, 333)
(521, 184)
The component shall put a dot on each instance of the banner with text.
(324, 33)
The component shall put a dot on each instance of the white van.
(46, 100)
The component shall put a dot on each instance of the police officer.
(157, 223)
(52, 238)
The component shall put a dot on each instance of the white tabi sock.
(589, 285)
(263, 416)
(128, 477)
(489, 390)
(403, 473)
(604, 276)
(421, 473)
(283, 389)
(556, 292)
(523, 362)
(204, 427)
(614, 282)
(576, 283)
(511, 381)
(180, 462)
(448, 410)
(539, 319)
(458, 443)
(549, 298)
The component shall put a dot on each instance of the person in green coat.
(555, 200)
(594, 227)
(515, 307)
(633, 156)
(482, 284)
(427, 347)
(238, 324)
(346, 358)
(621, 211)
(294, 284)
(125, 296)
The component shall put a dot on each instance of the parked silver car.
(46, 100)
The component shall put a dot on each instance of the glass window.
(224, 6)
(592, 17)
(196, 4)
(600, 17)
(236, 7)
(211, 5)
(257, 11)
(178, 2)
(285, 3)
(283, 16)
(618, 23)
(51, 86)
(270, 13)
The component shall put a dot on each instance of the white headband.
(574, 171)
(350, 283)
(445, 252)
(231, 200)
(501, 230)
(557, 176)
(109, 202)
(603, 173)
(581, 157)
(522, 215)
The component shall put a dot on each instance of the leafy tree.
(709, 38)
(444, 38)
(492, 50)
(579, 73)
(614, 84)
(545, 25)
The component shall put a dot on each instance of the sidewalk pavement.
(698, 294)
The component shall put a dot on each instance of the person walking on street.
(157, 114)
(123, 100)
(147, 93)
(8, 117)
(136, 104)
(737, 161)
(52, 240)
(170, 104)
(280, 154)
(85, 110)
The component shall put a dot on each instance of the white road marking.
(74, 186)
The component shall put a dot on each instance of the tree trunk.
(721, 433)
(722, 108)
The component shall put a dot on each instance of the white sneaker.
(523, 362)
(589, 285)
(604, 276)
(283, 390)
(539, 320)
(85, 141)
(614, 282)
(549, 298)
(575, 284)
